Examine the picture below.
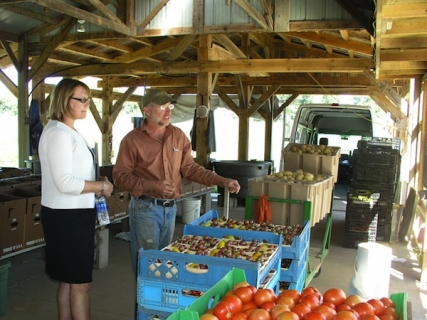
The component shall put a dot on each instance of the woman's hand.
(108, 190)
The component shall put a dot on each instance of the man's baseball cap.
(157, 96)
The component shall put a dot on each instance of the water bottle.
(102, 210)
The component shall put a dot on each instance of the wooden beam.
(8, 83)
(50, 48)
(253, 13)
(265, 96)
(80, 14)
(198, 16)
(119, 103)
(238, 66)
(166, 45)
(105, 11)
(153, 13)
(9, 52)
(185, 42)
(30, 14)
(288, 101)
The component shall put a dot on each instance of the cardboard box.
(292, 214)
(12, 223)
(313, 163)
(33, 231)
(118, 204)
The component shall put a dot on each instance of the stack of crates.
(377, 169)
(361, 217)
(294, 254)
(167, 281)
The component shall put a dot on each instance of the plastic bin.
(4, 275)
(295, 250)
(211, 297)
(149, 314)
(164, 276)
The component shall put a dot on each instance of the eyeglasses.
(82, 100)
(164, 107)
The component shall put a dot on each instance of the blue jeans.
(151, 227)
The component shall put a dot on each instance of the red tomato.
(370, 317)
(288, 301)
(334, 295)
(263, 295)
(293, 293)
(277, 310)
(342, 307)
(272, 292)
(240, 284)
(311, 291)
(235, 304)
(249, 311)
(239, 316)
(352, 300)
(268, 305)
(378, 306)
(392, 312)
(345, 315)
(208, 316)
(222, 310)
(329, 304)
(314, 315)
(249, 305)
(364, 308)
(259, 314)
(254, 289)
(387, 302)
(287, 315)
(244, 293)
(310, 300)
(301, 309)
(386, 317)
(327, 311)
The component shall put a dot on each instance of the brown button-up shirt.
(142, 159)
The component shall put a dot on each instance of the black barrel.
(242, 171)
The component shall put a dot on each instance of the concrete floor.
(31, 295)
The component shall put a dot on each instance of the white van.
(334, 125)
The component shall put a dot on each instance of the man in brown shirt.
(150, 162)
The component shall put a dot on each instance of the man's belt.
(160, 202)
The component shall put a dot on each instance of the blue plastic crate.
(297, 266)
(300, 283)
(295, 250)
(150, 314)
(211, 297)
(167, 296)
(163, 276)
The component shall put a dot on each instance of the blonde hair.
(60, 98)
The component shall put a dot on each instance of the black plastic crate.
(380, 143)
(383, 232)
(366, 223)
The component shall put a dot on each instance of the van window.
(346, 143)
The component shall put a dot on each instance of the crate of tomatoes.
(233, 298)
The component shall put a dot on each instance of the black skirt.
(70, 243)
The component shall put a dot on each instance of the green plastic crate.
(401, 302)
(210, 297)
(4, 274)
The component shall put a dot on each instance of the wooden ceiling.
(376, 52)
